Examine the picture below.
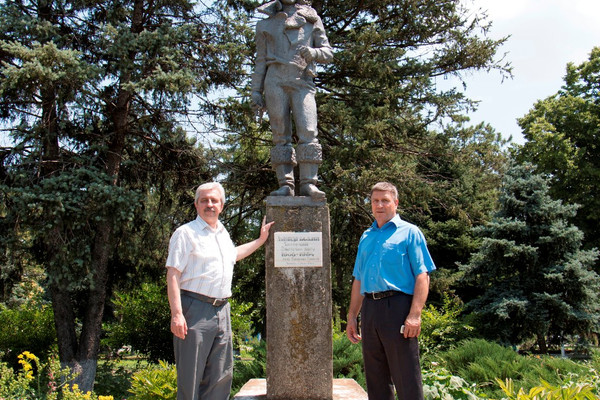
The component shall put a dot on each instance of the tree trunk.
(541, 341)
(81, 356)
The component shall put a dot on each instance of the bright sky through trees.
(545, 36)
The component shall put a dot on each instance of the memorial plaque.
(298, 249)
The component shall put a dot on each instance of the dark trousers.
(390, 359)
(204, 358)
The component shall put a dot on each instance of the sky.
(545, 36)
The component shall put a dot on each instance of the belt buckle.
(215, 301)
(376, 296)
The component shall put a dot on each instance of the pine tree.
(531, 277)
(93, 95)
(562, 141)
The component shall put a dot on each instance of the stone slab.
(293, 201)
(343, 389)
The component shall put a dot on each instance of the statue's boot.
(285, 177)
(283, 159)
(309, 158)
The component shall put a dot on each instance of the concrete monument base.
(298, 299)
(343, 389)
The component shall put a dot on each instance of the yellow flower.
(105, 398)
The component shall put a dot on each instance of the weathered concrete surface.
(298, 299)
(343, 389)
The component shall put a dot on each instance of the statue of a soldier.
(288, 44)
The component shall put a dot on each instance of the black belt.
(382, 295)
(211, 300)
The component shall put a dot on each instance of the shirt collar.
(394, 221)
(203, 225)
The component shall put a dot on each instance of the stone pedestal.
(343, 389)
(298, 299)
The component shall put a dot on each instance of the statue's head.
(275, 6)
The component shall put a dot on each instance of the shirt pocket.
(393, 254)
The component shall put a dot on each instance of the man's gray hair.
(385, 187)
(209, 186)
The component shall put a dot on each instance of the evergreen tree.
(562, 141)
(531, 278)
(93, 95)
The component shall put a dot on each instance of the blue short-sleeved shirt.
(390, 257)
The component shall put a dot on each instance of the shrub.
(572, 391)
(40, 381)
(29, 327)
(438, 383)
(155, 382)
(143, 322)
(112, 376)
(348, 359)
(241, 323)
(252, 366)
(441, 329)
(483, 363)
(478, 360)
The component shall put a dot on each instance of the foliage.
(347, 362)
(442, 328)
(439, 384)
(481, 362)
(143, 319)
(252, 365)
(347, 359)
(41, 381)
(241, 323)
(154, 382)
(530, 278)
(29, 327)
(94, 96)
(574, 391)
(114, 377)
(561, 135)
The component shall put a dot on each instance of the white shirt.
(205, 258)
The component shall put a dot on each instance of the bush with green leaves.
(347, 359)
(29, 327)
(252, 365)
(143, 322)
(241, 323)
(482, 362)
(155, 382)
(114, 376)
(442, 327)
(438, 383)
(36, 380)
(571, 391)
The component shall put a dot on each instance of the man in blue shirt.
(391, 284)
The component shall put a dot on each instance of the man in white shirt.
(199, 273)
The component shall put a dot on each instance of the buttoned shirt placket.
(217, 236)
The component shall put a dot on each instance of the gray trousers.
(204, 358)
(390, 359)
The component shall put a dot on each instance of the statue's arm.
(260, 63)
(260, 70)
(323, 52)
